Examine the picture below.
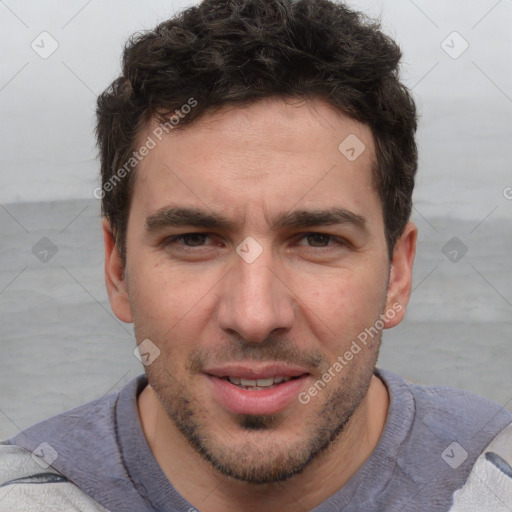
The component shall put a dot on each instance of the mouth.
(265, 389)
(259, 384)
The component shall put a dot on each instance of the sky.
(57, 56)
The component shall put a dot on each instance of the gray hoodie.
(437, 443)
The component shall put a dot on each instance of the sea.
(62, 346)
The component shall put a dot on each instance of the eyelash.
(173, 240)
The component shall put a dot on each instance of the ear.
(400, 277)
(114, 277)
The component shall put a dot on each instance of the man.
(258, 162)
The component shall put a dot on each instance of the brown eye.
(318, 240)
(188, 240)
(194, 239)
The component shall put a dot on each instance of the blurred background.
(60, 343)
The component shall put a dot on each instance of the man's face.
(278, 307)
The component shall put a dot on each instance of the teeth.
(248, 382)
(260, 383)
(264, 382)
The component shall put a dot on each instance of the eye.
(187, 239)
(318, 239)
(321, 240)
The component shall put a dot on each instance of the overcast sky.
(464, 94)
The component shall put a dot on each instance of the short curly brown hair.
(224, 52)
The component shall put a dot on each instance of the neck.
(203, 486)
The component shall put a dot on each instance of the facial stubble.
(259, 459)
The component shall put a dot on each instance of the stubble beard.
(259, 459)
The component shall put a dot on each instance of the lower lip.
(266, 401)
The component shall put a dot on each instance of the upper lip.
(256, 370)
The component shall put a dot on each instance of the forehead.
(266, 157)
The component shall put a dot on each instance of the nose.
(255, 299)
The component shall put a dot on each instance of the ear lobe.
(114, 277)
(400, 278)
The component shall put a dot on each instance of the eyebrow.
(176, 217)
(328, 217)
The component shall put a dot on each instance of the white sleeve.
(489, 486)
(26, 486)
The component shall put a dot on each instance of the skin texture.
(301, 302)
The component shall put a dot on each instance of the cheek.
(167, 301)
(344, 305)
(151, 300)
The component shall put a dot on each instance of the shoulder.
(78, 455)
(449, 412)
(437, 434)
(489, 486)
(26, 482)
(35, 463)
(89, 428)
(448, 428)
(93, 420)
(78, 445)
